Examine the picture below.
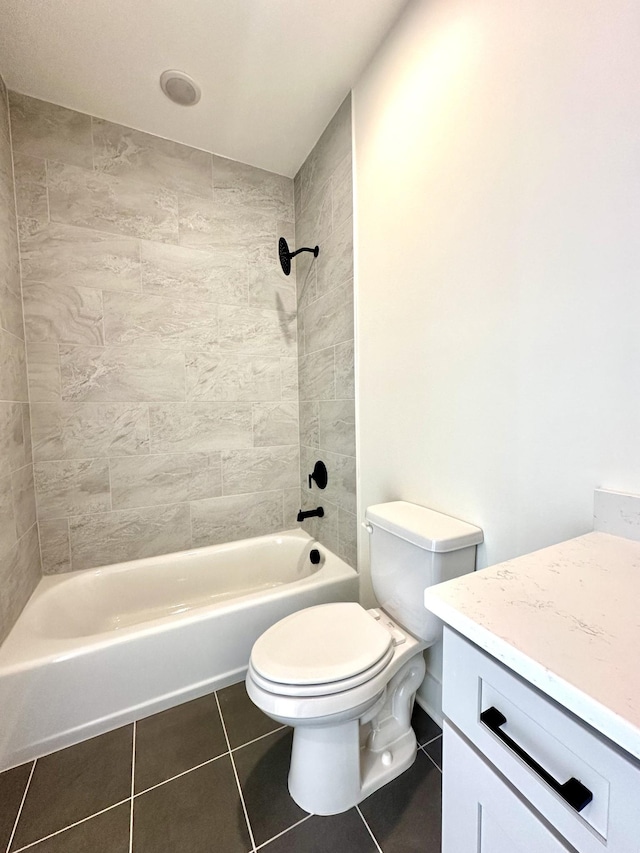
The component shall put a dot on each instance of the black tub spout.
(311, 513)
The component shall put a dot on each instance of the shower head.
(285, 255)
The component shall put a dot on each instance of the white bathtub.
(96, 649)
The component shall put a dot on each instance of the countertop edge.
(586, 708)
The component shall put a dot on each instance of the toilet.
(345, 678)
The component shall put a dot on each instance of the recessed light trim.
(180, 88)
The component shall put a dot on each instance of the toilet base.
(334, 767)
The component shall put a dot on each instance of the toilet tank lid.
(424, 527)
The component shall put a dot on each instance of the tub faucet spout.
(311, 513)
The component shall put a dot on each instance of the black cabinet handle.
(572, 792)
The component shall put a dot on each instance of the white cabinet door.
(481, 813)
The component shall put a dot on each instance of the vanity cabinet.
(481, 812)
(521, 773)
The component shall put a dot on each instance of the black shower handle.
(573, 792)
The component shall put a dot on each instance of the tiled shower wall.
(19, 553)
(324, 216)
(161, 341)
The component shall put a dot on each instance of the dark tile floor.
(209, 776)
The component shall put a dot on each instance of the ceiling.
(272, 72)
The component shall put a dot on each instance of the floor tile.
(263, 768)
(345, 832)
(12, 787)
(434, 751)
(404, 815)
(105, 833)
(74, 783)
(199, 812)
(242, 719)
(177, 740)
(424, 727)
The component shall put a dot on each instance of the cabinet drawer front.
(538, 746)
(481, 813)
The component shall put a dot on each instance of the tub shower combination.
(97, 649)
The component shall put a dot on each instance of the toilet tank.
(411, 548)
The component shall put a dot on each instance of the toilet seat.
(321, 650)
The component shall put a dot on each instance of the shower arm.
(297, 252)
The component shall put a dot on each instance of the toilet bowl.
(345, 678)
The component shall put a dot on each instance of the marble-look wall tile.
(19, 574)
(8, 526)
(324, 206)
(131, 153)
(45, 130)
(121, 374)
(177, 272)
(335, 263)
(26, 430)
(237, 183)
(200, 427)
(13, 368)
(32, 195)
(24, 499)
(309, 424)
(341, 487)
(72, 487)
(317, 375)
(228, 377)
(114, 537)
(260, 470)
(324, 529)
(289, 378)
(138, 481)
(344, 362)
(342, 192)
(348, 537)
(11, 319)
(292, 506)
(275, 424)
(226, 227)
(69, 255)
(257, 331)
(67, 315)
(12, 438)
(88, 430)
(108, 203)
(228, 519)
(330, 150)
(270, 288)
(337, 426)
(54, 545)
(139, 319)
(328, 320)
(129, 259)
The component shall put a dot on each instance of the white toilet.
(344, 677)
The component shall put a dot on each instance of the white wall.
(497, 155)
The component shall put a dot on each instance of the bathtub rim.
(24, 649)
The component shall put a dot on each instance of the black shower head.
(285, 255)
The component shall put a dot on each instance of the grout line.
(235, 773)
(432, 760)
(24, 797)
(375, 840)
(256, 739)
(70, 826)
(284, 832)
(427, 742)
(133, 776)
(178, 775)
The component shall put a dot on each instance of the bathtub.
(96, 649)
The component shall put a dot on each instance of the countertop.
(565, 618)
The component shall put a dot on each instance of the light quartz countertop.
(566, 619)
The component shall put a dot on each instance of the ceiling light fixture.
(180, 88)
